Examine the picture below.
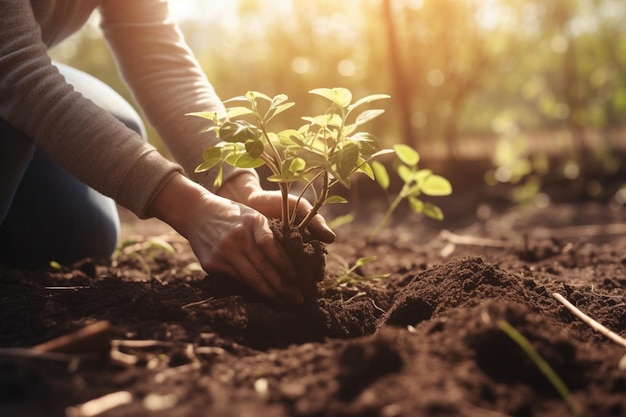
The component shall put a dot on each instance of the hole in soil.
(409, 311)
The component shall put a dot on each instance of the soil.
(426, 341)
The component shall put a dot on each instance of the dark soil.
(424, 342)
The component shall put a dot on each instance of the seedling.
(543, 366)
(416, 182)
(142, 251)
(351, 275)
(322, 153)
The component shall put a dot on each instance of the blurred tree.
(453, 67)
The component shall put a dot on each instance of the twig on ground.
(197, 303)
(591, 322)
(78, 287)
(450, 237)
(30, 353)
(100, 405)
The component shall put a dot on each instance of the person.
(69, 148)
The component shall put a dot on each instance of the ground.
(426, 341)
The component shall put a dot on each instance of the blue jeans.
(46, 214)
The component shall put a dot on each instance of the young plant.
(320, 154)
(543, 366)
(351, 275)
(416, 182)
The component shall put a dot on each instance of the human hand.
(228, 237)
(246, 189)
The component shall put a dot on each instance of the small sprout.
(351, 276)
(416, 182)
(341, 221)
(542, 365)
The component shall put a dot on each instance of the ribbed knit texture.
(160, 70)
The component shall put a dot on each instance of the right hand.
(228, 237)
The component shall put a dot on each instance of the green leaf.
(341, 220)
(279, 109)
(212, 156)
(290, 137)
(206, 165)
(296, 165)
(254, 148)
(321, 120)
(367, 143)
(335, 199)
(421, 174)
(346, 161)
(436, 185)
(283, 178)
(365, 168)
(340, 96)
(406, 174)
(368, 99)
(416, 204)
(362, 261)
(238, 98)
(233, 112)
(238, 131)
(279, 99)
(381, 174)
(253, 95)
(407, 155)
(161, 244)
(432, 211)
(217, 183)
(247, 161)
(335, 121)
(368, 115)
(239, 157)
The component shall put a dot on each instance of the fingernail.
(330, 235)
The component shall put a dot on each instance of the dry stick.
(591, 322)
(100, 405)
(472, 241)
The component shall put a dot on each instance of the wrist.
(174, 201)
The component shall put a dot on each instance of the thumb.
(320, 230)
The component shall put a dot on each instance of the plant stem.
(392, 207)
(309, 184)
(323, 196)
(543, 366)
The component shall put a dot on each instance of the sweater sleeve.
(72, 130)
(165, 78)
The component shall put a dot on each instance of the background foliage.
(455, 68)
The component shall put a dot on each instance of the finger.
(320, 230)
(284, 287)
(241, 268)
(318, 227)
(274, 263)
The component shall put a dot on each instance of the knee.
(105, 97)
(96, 229)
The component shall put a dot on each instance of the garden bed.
(427, 341)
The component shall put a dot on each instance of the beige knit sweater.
(160, 70)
